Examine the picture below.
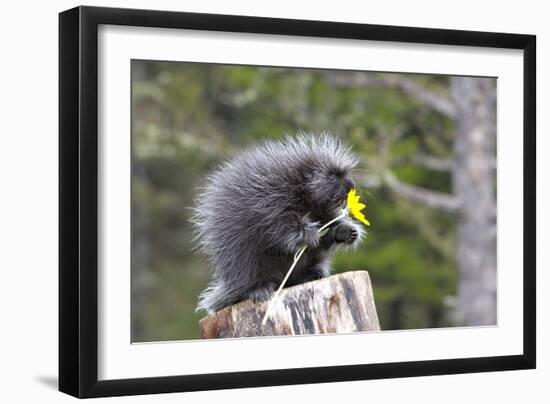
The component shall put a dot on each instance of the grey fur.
(260, 207)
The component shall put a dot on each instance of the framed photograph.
(251, 201)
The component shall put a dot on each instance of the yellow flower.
(355, 207)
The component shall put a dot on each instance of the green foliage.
(187, 117)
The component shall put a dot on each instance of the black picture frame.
(78, 200)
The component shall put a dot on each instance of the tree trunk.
(473, 183)
(341, 303)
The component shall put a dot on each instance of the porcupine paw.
(310, 235)
(261, 294)
(346, 234)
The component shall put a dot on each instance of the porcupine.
(260, 207)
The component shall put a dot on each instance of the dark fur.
(259, 208)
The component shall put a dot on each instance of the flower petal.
(354, 206)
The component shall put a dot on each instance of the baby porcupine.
(261, 206)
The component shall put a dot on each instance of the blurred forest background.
(428, 149)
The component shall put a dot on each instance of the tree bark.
(341, 303)
(473, 183)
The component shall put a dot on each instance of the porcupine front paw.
(345, 234)
(310, 234)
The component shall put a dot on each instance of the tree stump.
(341, 303)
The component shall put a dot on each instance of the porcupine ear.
(306, 172)
(306, 168)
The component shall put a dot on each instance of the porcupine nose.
(349, 184)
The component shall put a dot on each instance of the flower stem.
(276, 295)
(342, 215)
(297, 257)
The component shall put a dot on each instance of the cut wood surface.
(341, 303)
